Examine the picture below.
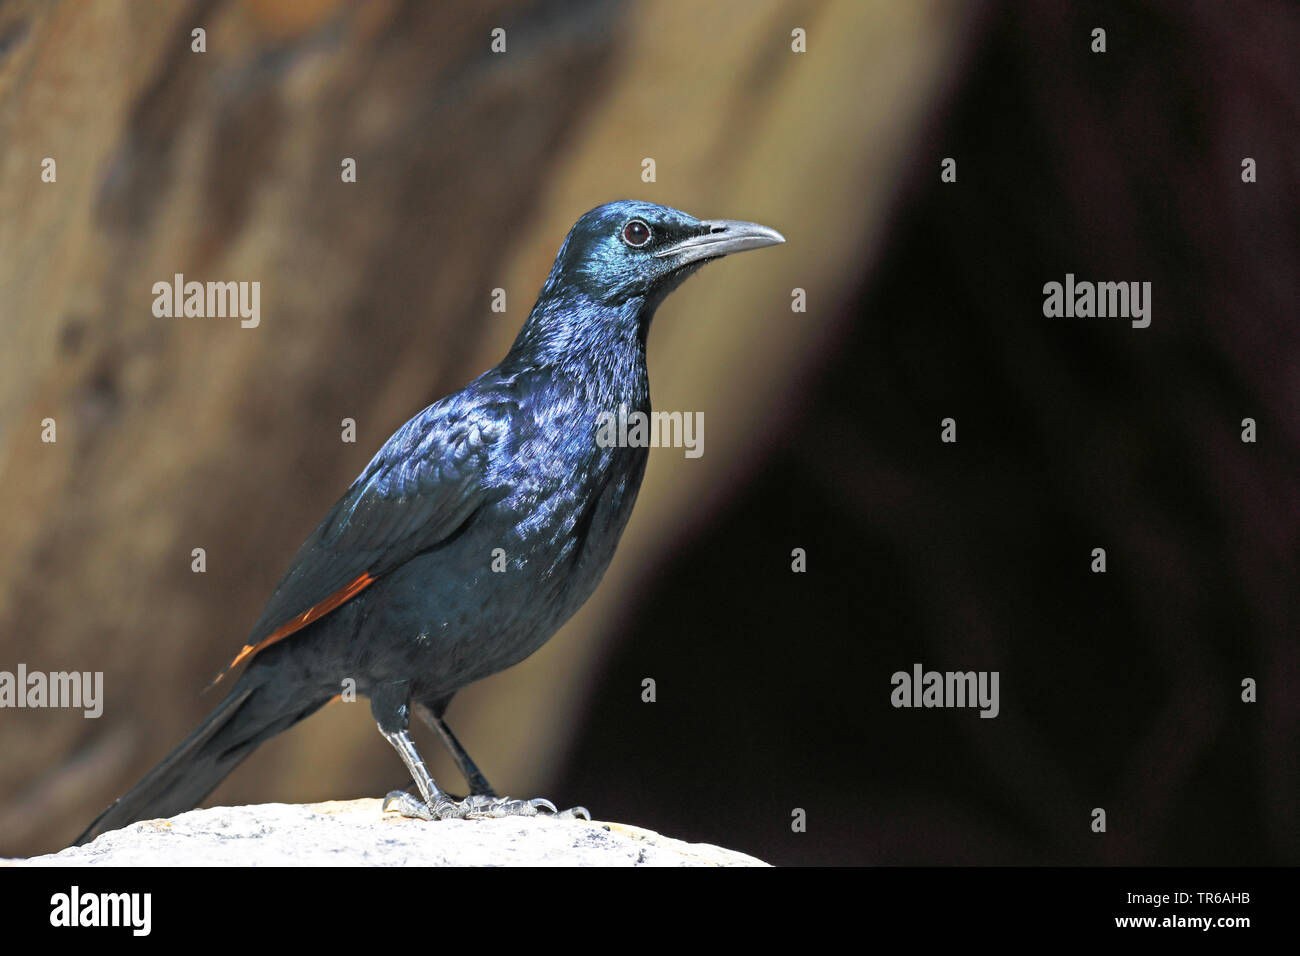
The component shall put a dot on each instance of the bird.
(396, 592)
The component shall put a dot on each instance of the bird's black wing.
(424, 484)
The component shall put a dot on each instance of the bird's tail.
(189, 773)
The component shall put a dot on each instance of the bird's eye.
(636, 233)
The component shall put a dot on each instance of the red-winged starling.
(395, 588)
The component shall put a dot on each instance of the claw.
(406, 805)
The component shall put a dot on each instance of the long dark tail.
(246, 718)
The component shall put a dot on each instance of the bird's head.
(627, 249)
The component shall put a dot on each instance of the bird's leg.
(478, 785)
(390, 704)
(483, 800)
(437, 805)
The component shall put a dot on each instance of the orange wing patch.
(314, 613)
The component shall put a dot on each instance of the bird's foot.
(479, 805)
(409, 805)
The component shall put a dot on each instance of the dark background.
(1119, 691)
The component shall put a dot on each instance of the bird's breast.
(527, 560)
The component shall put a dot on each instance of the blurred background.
(924, 301)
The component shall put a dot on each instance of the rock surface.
(359, 833)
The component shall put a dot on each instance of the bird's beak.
(724, 237)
